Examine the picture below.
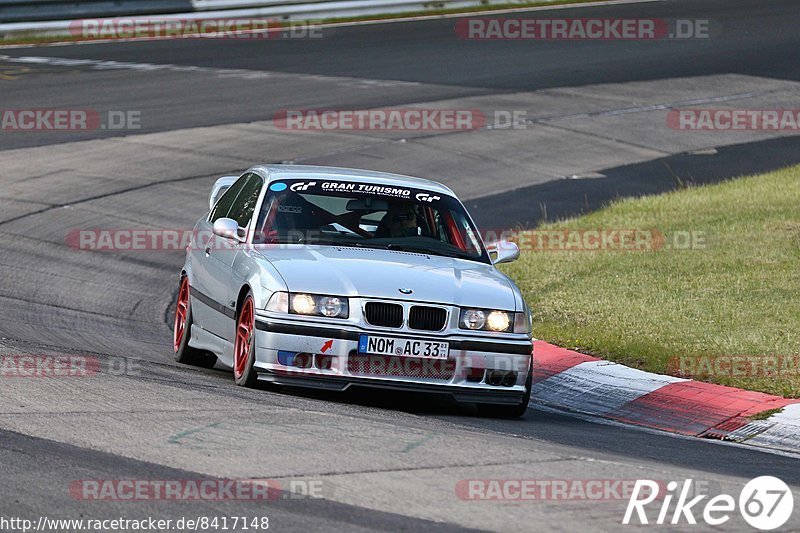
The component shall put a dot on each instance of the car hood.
(371, 273)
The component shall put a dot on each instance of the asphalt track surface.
(386, 462)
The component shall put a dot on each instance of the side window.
(245, 204)
(224, 204)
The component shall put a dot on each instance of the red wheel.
(181, 312)
(182, 332)
(244, 346)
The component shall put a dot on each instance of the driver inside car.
(400, 220)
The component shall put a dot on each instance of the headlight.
(303, 304)
(473, 319)
(498, 321)
(330, 306)
(492, 320)
(309, 304)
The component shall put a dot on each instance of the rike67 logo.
(766, 503)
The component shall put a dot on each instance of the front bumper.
(309, 354)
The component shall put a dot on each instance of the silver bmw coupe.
(334, 278)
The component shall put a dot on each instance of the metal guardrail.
(36, 10)
(208, 5)
(53, 17)
(294, 9)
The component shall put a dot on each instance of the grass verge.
(713, 296)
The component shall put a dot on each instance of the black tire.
(184, 353)
(510, 411)
(243, 373)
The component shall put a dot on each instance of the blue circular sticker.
(277, 187)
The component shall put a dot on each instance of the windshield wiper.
(381, 246)
(314, 242)
(429, 251)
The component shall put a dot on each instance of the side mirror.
(219, 188)
(503, 252)
(227, 228)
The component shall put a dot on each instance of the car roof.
(276, 172)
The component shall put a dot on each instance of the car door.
(243, 211)
(208, 298)
(221, 253)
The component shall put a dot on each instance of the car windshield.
(342, 213)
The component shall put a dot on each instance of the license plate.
(372, 345)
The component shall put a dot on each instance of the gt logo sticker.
(302, 186)
(425, 197)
